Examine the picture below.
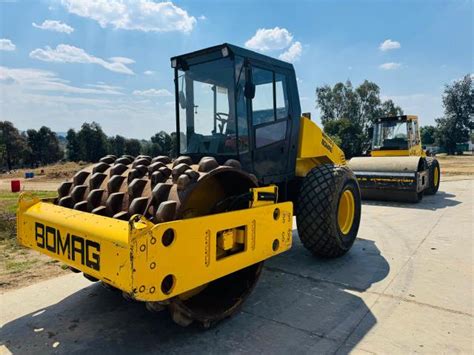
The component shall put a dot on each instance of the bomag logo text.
(74, 247)
(327, 142)
(326, 145)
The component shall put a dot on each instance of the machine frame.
(152, 262)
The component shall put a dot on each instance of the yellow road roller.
(398, 168)
(191, 234)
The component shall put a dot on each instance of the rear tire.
(317, 210)
(434, 173)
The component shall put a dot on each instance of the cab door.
(270, 124)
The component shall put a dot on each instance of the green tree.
(174, 144)
(337, 102)
(117, 145)
(44, 146)
(73, 148)
(347, 135)
(13, 145)
(162, 143)
(133, 147)
(388, 108)
(92, 141)
(428, 134)
(354, 111)
(458, 120)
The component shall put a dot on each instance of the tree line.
(347, 113)
(34, 148)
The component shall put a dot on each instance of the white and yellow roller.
(398, 168)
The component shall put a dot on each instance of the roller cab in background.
(398, 168)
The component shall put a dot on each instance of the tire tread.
(315, 215)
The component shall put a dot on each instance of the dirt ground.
(456, 164)
(45, 178)
(54, 171)
(20, 267)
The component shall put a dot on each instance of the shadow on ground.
(301, 304)
(429, 202)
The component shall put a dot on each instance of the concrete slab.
(32, 298)
(363, 268)
(443, 264)
(406, 286)
(408, 327)
(321, 308)
(96, 320)
(436, 284)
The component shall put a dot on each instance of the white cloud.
(53, 25)
(390, 66)
(202, 18)
(108, 89)
(293, 53)
(140, 15)
(270, 39)
(122, 60)
(41, 80)
(6, 45)
(388, 44)
(31, 98)
(152, 93)
(61, 112)
(149, 72)
(64, 53)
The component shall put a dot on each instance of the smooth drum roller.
(391, 178)
(163, 190)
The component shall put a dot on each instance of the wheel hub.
(346, 211)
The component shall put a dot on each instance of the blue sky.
(64, 62)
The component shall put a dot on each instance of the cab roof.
(224, 50)
(398, 118)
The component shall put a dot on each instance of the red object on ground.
(15, 185)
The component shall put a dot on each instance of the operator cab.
(232, 103)
(395, 133)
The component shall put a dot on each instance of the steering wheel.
(223, 121)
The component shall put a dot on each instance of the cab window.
(281, 97)
(269, 107)
(262, 103)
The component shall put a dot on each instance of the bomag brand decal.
(391, 180)
(326, 142)
(73, 247)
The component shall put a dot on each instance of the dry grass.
(46, 178)
(50, 172)
(20, 266)
(456, 164)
